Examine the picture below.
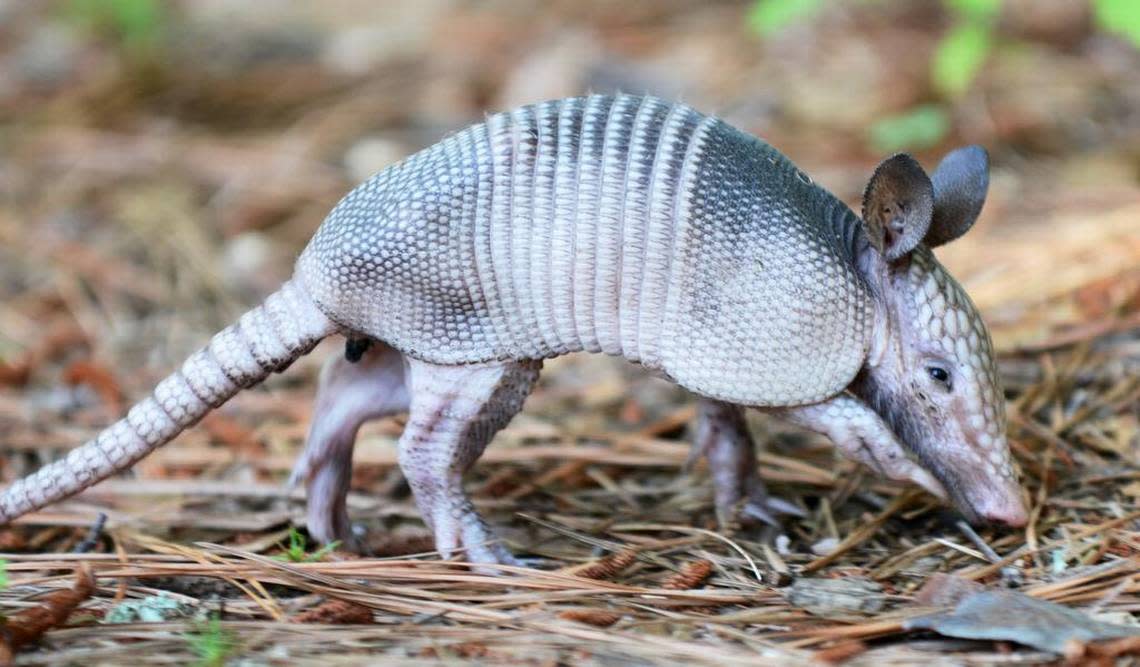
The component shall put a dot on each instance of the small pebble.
(825, 546)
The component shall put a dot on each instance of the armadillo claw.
(457, 526)
(764, 509)
(483, 547)
(723, 439)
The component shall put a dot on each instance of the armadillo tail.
(265, 340)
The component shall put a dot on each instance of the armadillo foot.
(862, 435)
(458, 527)
(350, 393)
(740, 496)
(455, 412)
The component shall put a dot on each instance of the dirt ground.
(161, 165)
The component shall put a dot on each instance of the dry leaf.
(27, 626)
(1016, 617)
(943, 590)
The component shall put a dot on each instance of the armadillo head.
(931, 373)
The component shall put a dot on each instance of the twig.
(860, 534)
(93, 534)
(1010, 575)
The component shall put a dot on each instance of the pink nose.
(1010, 512)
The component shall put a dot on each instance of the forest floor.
(149, 199)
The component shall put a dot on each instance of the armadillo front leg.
(455, 412)
(723, 439)
(349, 395)
(862, 435)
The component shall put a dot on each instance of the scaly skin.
(455, 412)
(629, 226)
(266, 340)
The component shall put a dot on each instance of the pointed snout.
(988, 499)
(1008, 509)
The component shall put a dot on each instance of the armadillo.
(634, 227)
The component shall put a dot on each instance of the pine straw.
(613, 586)
(588, 482)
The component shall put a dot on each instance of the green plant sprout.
(1120, 17)
(211, 642)
(296, 550)
(920, 127)
(137, 26)
(768, 17)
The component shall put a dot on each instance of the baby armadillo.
(634, 227)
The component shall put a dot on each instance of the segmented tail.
(265, 340)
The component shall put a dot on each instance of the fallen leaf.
(1016, 617)
(943, 590)
(826, 597)
(28, 625)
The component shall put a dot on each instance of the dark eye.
(939, 374)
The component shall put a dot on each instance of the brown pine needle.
(594, 617)
(840, 652)
(333, 612)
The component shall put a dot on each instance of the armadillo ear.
(960, 184)
(897, 206)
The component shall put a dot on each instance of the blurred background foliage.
(958, 40)
(137, 27)
(922, 64)
(958, 56)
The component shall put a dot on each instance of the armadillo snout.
(1008, 510)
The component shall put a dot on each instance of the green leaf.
(959, 57)
(295, 551)
(137, 24)
(975, 10)
(921, 127)
(768, 17)
(1121, 17)
(3, 574)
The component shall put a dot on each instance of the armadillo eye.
(939, 374)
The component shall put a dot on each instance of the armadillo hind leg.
(723, 439)
(350, 393)
(455, 412)
(862, 435)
